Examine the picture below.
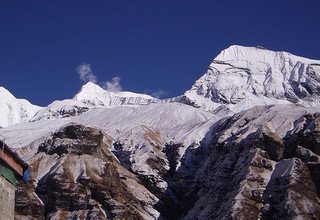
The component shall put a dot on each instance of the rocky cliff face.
(75, 175)
(267, 175)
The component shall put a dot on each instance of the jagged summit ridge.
(94, 95)
(91, 96)
(243, 77)
(236, 53)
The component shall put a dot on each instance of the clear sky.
(151, 45)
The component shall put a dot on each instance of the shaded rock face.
(73, 139)
(290, 193)
(76, 176)
(252, 165)
(305, 144)
(265, 175)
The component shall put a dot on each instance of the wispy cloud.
(113, 85)
(157, 94)
(85, 73)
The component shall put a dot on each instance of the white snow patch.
(13, 110)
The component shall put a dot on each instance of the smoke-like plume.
(159, 94)
(85, 73)
(113, 85)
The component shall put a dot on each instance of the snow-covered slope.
(90, 96)
(94, 95)
(243, 77)
(174, 122)
(61, 109)
(13, 110)
(143, 132)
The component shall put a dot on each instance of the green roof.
(8, 173)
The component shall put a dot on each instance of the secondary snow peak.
(94, 95)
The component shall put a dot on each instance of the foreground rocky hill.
(113, 157)
(260, 163)
(75, 175)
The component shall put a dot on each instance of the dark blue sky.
(152, 45)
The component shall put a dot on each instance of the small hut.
(12, 169)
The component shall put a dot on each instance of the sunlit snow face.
(243, 77)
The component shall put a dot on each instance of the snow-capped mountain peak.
(13, 110)
(94, 95)
(92, 88)
(243, 77)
